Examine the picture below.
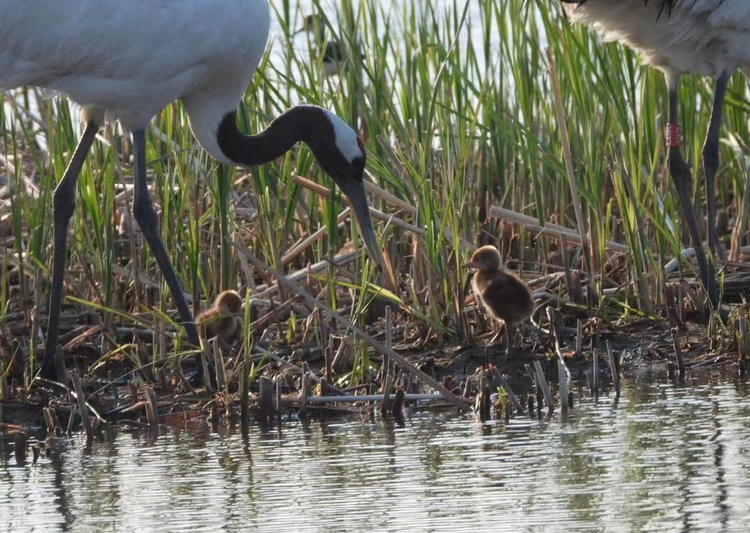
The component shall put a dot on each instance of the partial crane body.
(704, 37)
(126, 61)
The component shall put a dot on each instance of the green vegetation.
(452, 126)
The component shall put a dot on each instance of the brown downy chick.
(505, 297)
(222, 320)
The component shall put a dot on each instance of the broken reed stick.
(398, 403)
(678, 351)
(613, 369)
(49, 421)
(537, 389)
(152, 412)
(595, 375)
(277, 396)
(483, 402)
(82, 409)
(20, 448)
(555, 320)
(305, 393)
(377, 346)
(563, 377)
(387, 390)
(244, 390)
(265, 395)
(542, 383)
(504, 384)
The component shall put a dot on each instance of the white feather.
(346, 139)
(698, 36)
(131, 58)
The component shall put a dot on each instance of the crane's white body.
(703, 37)
(128, 59)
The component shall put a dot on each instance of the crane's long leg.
(64, 205)
(711, 159)
(683, 183)
(145, 215)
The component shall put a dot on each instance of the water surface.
(665, 458)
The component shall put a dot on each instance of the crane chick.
(504, 296)
(222, 319)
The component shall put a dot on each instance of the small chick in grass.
(222, 320)
(504, 296)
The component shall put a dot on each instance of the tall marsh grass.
(455, 104)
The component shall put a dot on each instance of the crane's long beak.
(356, 194)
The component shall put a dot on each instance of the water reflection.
(668, 457)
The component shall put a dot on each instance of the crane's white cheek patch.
(346, 139)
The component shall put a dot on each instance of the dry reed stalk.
(152, 412)
(548, 230)
(678, 351)
(613, 369)
(595, 375)
(244, 389)
(563, 376)
(82, 408)
(305, 395)
(387, 390)
(265, 396)
(541, 382)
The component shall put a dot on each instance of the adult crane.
(704, 37)
(127, 61)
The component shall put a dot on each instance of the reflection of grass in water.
(448, 130)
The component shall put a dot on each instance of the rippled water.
(666, 458)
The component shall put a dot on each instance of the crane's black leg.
(683, 183)
(711, 159)
(145, 215)
(64, 205)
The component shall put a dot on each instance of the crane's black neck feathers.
(305, 123)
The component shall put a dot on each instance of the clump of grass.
(455, 105)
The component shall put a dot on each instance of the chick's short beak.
(470, 264)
